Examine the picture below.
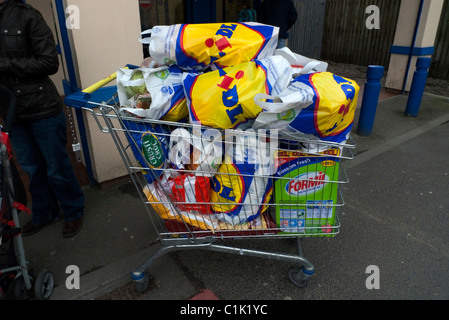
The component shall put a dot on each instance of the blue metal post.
(70, 86)
(371, 93)
(417, 88)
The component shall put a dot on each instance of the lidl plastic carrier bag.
(218, 45)
(318, 105)
(243, 184)
(224, 98)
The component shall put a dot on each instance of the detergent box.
(306, 190)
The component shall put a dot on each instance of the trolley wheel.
(142, 284)
(296, 275)
(44, 285)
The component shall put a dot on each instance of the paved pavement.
(395, 217)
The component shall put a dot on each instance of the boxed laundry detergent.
(306, 191)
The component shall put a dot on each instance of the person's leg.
(51, 136)
(281, 43)
(44, 207)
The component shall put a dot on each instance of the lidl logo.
(220, 47)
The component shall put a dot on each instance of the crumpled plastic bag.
(199, 152)
(152, 93)
(224, 99)
(300, 63)
(319, 105)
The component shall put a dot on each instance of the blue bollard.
(417, 88)
(371, 93)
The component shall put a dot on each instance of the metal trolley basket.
(264, 187)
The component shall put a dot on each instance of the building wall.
(399, 66)
(105, 40)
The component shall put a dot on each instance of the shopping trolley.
(17, 280)
(202, 186)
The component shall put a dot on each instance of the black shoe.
(72, 228)
(31, 228)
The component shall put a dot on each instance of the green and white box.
(306, 191)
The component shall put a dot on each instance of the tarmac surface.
(395, 218)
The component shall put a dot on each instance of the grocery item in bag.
(152, 93)
(262, 225)
(219, 45)
(242, 185)
(319, 105)
(306, 191)
(149, 144)
(224, 98)
(191, 193)
(199, 151)
(166, 210)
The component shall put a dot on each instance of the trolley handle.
(79, 99)
(12, 100)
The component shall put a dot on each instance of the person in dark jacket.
(278, 13)
(28, 56)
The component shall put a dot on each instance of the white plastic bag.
(301, 64)
(320, 105)
(280, 110)
(153, 93)
(196, 151)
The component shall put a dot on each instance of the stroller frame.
(17, 281)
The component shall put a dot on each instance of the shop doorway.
(168, 12)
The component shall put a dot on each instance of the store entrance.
(168, 12)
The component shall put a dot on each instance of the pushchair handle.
(11, 107)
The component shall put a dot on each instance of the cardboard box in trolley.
(306, 188)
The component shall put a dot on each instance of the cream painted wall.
(106, 40)
(430, 18)
(404, 36)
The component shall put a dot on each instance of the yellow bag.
(242, 186)
(219, 45)
(320, 104)
(224, 99)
